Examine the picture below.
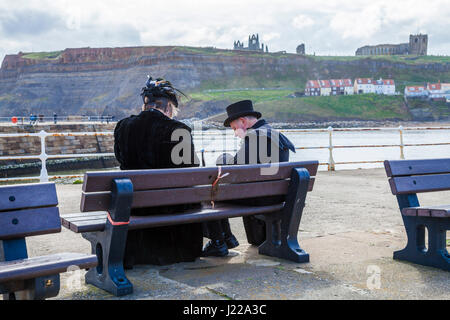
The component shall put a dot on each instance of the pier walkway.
(350, 227)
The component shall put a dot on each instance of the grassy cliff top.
(408, 59)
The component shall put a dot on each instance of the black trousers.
(218, 229)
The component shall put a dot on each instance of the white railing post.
(402, 146)
(43, 157)
(331, 163)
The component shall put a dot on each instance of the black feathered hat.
(240, 109)
(159, 88)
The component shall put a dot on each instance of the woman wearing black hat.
(144, 142)
(254, 132)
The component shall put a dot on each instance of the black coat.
(275, 141)
(144, 142)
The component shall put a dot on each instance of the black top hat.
(240, 109)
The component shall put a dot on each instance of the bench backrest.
(28, 210)
(416, 176)
(160, 187)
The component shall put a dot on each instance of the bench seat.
(29, 268)
(407, 179)
(441, 211)
(96, 221)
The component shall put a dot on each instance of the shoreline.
(344, 124)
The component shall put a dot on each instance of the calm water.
(226, 141)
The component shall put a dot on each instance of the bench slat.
(185, 177)
(417, 184)
(190, 216)
(442, 211)
(27, 196)
(29, 222)
(153, 198)
(396, 168)
(44, 266)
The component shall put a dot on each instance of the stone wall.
(16, 146)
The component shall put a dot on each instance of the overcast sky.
(327, 27)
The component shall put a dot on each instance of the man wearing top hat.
(260, 144)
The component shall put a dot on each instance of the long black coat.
(249, 153)
(144, 142)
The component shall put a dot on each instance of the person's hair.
(161, 103)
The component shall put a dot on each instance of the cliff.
(93, 81)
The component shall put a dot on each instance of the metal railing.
(39, 119)
(331, 163)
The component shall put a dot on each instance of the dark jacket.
(144, 142)
(251, 151)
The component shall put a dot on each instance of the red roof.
(341, 83)
(325, 84)
(313, 84)
(388, 82)
(364, 81)
(434, 86)
(415, 88)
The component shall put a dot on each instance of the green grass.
(357, 107)
(54, 55)
(254, 95)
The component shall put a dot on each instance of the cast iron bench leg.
(285, 245)
(109, 245)
(416, 251)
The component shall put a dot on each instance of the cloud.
(302, 21)
(328, 27)
(28, 22)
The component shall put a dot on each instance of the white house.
(415, 91)
(435, 90)
(388, 86)
(363, 85)
(325, 87)
(341, 86)
(446, 91)
(312, 88)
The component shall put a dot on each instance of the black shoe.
(215, 248)
(231, 242)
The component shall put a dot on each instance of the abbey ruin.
(253, 45)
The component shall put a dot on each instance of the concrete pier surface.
(351, 226)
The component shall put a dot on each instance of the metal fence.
(40, 119)
(331, 163)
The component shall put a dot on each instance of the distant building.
(312, 88)
(416, 91)
(341, 86)
(418, 45)
(301, 49)
(386, 86)
(435, 90)
(253, 45)
(363, 85)
(325, 87)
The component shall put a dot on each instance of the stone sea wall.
(55, 144)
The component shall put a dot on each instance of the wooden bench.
(407, 178)
(31, 210)
(118, 192)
